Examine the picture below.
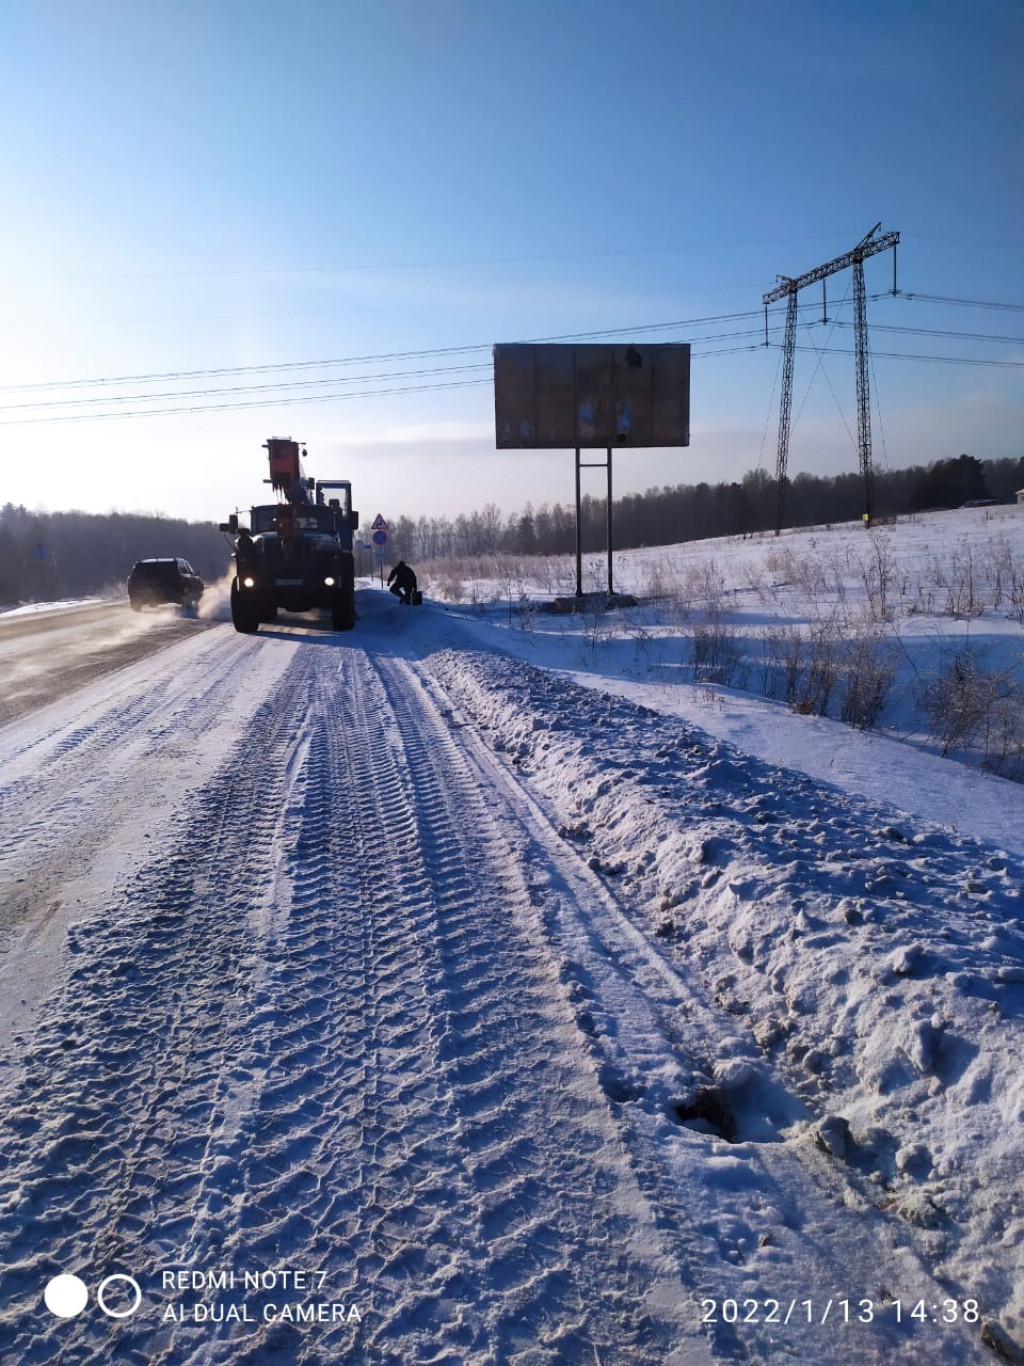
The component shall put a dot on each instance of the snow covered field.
(487, 986)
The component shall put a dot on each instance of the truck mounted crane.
(296, 554)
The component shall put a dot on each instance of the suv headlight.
(329, 581)
(248, 583)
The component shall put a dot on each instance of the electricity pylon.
(788, 289)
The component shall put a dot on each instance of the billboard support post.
(579, 532)
(592, 465)
(611, 591)
(549, 396)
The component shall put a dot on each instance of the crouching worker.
(402, 582)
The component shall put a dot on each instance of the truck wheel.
(343, 608)
(243, 616)
(343, 612)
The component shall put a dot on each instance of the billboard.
(552, 396)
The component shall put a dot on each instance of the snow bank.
(877, 968)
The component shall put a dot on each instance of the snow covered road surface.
(416, 986)
(88, 785)
(49, 654)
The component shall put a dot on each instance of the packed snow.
(487, 985)
(31, 609)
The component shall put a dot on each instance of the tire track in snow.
(316, 1033)
(451, 1184)
(571, 1237)
(109, 1167)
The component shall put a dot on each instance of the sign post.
(380, 540)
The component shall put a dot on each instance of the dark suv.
(152, 582)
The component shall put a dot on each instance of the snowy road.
(49, 654)
(314, 1008)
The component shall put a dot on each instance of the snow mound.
(871, 960)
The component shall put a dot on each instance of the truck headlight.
(328, 582)
(248, 583)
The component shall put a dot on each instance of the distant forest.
(693, 512)
(49, 555)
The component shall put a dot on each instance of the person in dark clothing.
(402, 582)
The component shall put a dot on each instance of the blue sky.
(199, 188)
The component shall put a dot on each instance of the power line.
(168, 375)
(394, 357)
(297, 384)
(254, 403)
(424, 353)
(941, 332)
(193, 408)
(908, 355)
(962, 303)
(238, 389)
(374, 357)
(457, 263)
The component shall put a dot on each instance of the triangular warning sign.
(379, 523)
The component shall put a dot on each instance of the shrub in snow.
(870, 671)
(716, 654)
(969, 709)
(450, 587)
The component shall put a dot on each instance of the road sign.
(380, 537)
(378, 523)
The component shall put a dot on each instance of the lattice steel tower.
(788, 289)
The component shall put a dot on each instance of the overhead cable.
(192, 408)
(375, 357)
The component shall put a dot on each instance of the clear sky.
(198, 188)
